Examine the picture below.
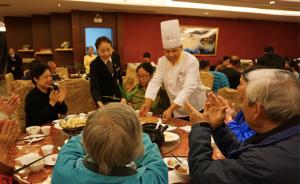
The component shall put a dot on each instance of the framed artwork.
(199, 40)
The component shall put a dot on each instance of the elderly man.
(52, 67)
(272, 108)
(178, 71)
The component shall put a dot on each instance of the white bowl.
(46, 130)
(149, 114)
(33, 130)
(36, 167)
(47, 149)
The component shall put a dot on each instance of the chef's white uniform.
(181, 82)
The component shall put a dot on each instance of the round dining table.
(57, 137)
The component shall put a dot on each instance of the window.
(91, 35)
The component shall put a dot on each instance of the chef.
(179, 72)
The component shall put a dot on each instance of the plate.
(56, 121)
(35, 138)
(57, 126)
(170, 136)
(150, 119)
(51, 159)
(171, 162)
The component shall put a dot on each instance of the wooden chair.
(232, 96)
(9, 78)
(62, 72)
(207, 79)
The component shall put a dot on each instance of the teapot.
(156, 135)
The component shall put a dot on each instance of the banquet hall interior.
(132, 91)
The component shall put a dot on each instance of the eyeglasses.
(143, 77)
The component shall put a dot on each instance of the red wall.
(245, 38)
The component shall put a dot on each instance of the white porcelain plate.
(170, 137)
(51, 159)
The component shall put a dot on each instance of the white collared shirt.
(181, 81)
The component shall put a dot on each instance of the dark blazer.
(102, 82)
(14, 66)
(271, 61)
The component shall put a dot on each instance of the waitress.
(105, 73)
(179, 72)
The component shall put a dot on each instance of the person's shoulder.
(162, 60)
(95, 61)
(190, 57)
(32, 93)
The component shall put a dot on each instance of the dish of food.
(182, 170)
(73, 122)
(150, 119)
(171, 162)
(170, 137)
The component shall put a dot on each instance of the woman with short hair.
(145, 73)
(42, 103)
(111, 149)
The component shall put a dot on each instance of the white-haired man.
(272, 109)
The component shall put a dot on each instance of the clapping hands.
(9, 107)
(214, 111)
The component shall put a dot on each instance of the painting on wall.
(199, 40)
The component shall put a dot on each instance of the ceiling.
(176, 7)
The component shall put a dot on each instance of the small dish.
(32, 130)
(51, 159)
(170, 137)
(171, 162)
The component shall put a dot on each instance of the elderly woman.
(43, 104)
(271, 108)
(111, 149)
(144, 74)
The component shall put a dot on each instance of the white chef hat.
(170, 34)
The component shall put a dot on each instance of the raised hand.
(194, 115)
(215, 108)
(9, 131)
(62, 94)
(53, 97)
(10, 106)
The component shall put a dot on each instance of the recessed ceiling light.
(272, 2)
(205, 13)
(59, 5)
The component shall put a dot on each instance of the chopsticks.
(176, 158)
(25, 139)
(27, 165)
